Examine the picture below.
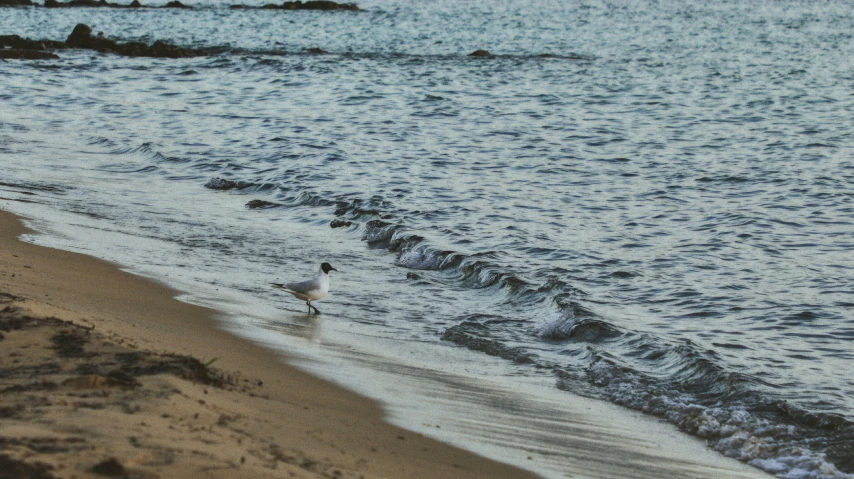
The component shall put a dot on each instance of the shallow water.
(657, 213)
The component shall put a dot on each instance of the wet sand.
(105, 374)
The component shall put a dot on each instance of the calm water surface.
(641, 202)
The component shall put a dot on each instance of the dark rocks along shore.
(105, 3)
(310, 5)
(15, 47)
(81, 37)
(297, 5)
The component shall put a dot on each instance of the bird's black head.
(326, 267)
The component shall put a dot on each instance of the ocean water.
(648, 203)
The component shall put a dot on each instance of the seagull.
(310, 290)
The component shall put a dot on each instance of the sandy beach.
(597, 240)
(105, 374)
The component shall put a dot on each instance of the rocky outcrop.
(310, 5)
(297, 5)
(103, 3)
(318, 5)
(18, 54)
(80, 3)
(340, 224)
(16, 42)
(81, 37)
(13, 47)
(261, 204)
(480, 53)
(224, 184)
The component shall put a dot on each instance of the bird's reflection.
(310, 326)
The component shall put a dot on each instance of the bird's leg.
(310, 307)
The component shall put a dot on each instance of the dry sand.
(103, 373)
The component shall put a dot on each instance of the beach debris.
(17, 468)
(109, 467)
(8, 298)
(95, 381)
(97, 407)
(69, 343)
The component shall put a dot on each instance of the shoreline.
(281, 412)
(279, 421)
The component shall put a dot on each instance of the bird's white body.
(310, 290)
